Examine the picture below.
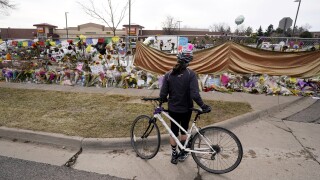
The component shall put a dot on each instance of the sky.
(151, 13)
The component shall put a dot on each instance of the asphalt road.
(11, 168)
(309, 115)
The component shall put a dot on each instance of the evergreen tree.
(269, 31)
(306, 34)
(279, 31)
(249, 31)
(260, 32)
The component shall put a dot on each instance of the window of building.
(50, 30)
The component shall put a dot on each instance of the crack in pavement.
(289, 131)
(305, 148)
(279, 120)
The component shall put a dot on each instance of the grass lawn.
(88, 115)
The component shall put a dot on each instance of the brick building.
(92, 30)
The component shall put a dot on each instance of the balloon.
(239, 20)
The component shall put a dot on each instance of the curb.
(248, 117)
(105, 143)
(121, 143)
(41, 137)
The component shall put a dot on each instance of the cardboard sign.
(96, 69)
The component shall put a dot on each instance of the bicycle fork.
(148, 130)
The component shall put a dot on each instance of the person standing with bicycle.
(181, 85)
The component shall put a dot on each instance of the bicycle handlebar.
(151, 99)
(198, 111)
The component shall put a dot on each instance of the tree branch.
(111, 21)
(122, 15)
(5, 5)
(94, 13)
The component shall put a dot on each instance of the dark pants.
(181, 118)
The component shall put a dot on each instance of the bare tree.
(306, 27)
(241, 30)
(221, 27)
(5, 5)
(248, 31)
(302, 28)
(169, 26)
(112, 18)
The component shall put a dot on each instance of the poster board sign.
(183, 43)
(96, 69)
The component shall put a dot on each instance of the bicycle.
(212, 148)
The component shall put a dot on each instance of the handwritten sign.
(96, 69)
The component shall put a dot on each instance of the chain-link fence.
(170, 43)
(286, 44)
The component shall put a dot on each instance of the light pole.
(7, 39)
(294, 25)
(179, 25)
(67, 24)
(129, 22)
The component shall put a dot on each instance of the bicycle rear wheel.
(227, 146)
(145, 137)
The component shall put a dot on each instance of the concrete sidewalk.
(262, 106)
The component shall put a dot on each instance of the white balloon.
(239, 20)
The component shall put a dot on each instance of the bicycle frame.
(188, 133)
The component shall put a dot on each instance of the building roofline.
(133, 24)
(45, 24)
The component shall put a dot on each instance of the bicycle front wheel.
(227, 147)
(145, 137)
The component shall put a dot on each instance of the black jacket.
(182, 89)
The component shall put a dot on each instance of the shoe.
(183, 156)
(174, 158)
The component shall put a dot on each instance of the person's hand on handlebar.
(205, 108)
(163, 100)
